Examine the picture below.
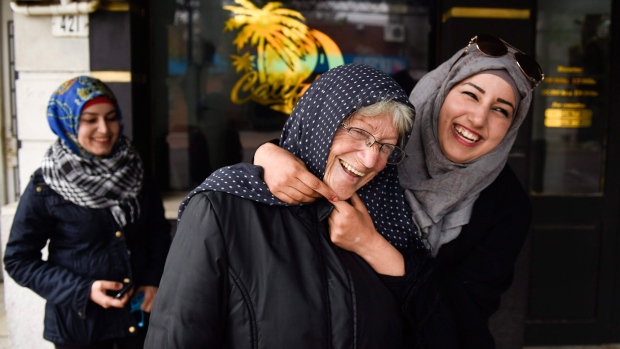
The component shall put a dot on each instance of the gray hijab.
(441, 193)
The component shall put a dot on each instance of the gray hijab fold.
(441, 193)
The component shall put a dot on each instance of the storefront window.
(571, 107)
(235, 69)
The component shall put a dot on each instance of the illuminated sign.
(568, 118)
(277, 54)
(569, 114)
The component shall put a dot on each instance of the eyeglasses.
(493, 46)
(393, 153)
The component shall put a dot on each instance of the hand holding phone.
(103, 293)
(118, 294)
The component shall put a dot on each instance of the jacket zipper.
(246, 297)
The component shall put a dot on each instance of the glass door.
(226, 74)
(574, 233)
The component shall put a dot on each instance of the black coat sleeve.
(448, 300)
(157, 241)
(190, 308)
(33, 226)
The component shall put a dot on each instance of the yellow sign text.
(568, 118)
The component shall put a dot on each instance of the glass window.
(227, 74)
(571, 106)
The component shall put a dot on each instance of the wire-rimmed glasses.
(393, 153)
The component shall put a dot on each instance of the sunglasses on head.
(493, 46)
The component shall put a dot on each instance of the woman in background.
(104, 220)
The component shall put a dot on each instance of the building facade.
(202, 83)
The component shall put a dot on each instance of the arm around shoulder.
(288, 178)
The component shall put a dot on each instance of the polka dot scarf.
(308, 134)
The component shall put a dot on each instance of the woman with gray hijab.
(466, 203)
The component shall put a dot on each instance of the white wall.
(8, 160)
(33, 90)
(43, 62)
(24, 308)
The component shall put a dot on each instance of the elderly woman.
(467, 204)
(104, 221)
(246, 270)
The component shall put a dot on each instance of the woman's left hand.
(149, 296)
(351, 228)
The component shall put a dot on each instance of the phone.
(120, 293)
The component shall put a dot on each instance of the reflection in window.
(230, 89)
(571, 106)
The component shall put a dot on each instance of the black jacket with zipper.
(241, 274)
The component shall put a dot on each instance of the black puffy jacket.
(84, 245)
(241, 274)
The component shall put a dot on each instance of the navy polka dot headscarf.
(308, 134)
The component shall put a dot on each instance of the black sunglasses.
(493, 46)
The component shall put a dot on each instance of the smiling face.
(350, 163)
(475, 117)
(99, 129)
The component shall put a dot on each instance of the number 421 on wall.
(70, 25)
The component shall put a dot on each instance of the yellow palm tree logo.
(287, 53)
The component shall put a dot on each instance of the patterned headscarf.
(308, 133)
(113, 181)
(441, 193)
(65, 107)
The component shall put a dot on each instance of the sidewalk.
(4, 332)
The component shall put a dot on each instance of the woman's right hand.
(351, 228)
(288, 178)
(98, 294)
